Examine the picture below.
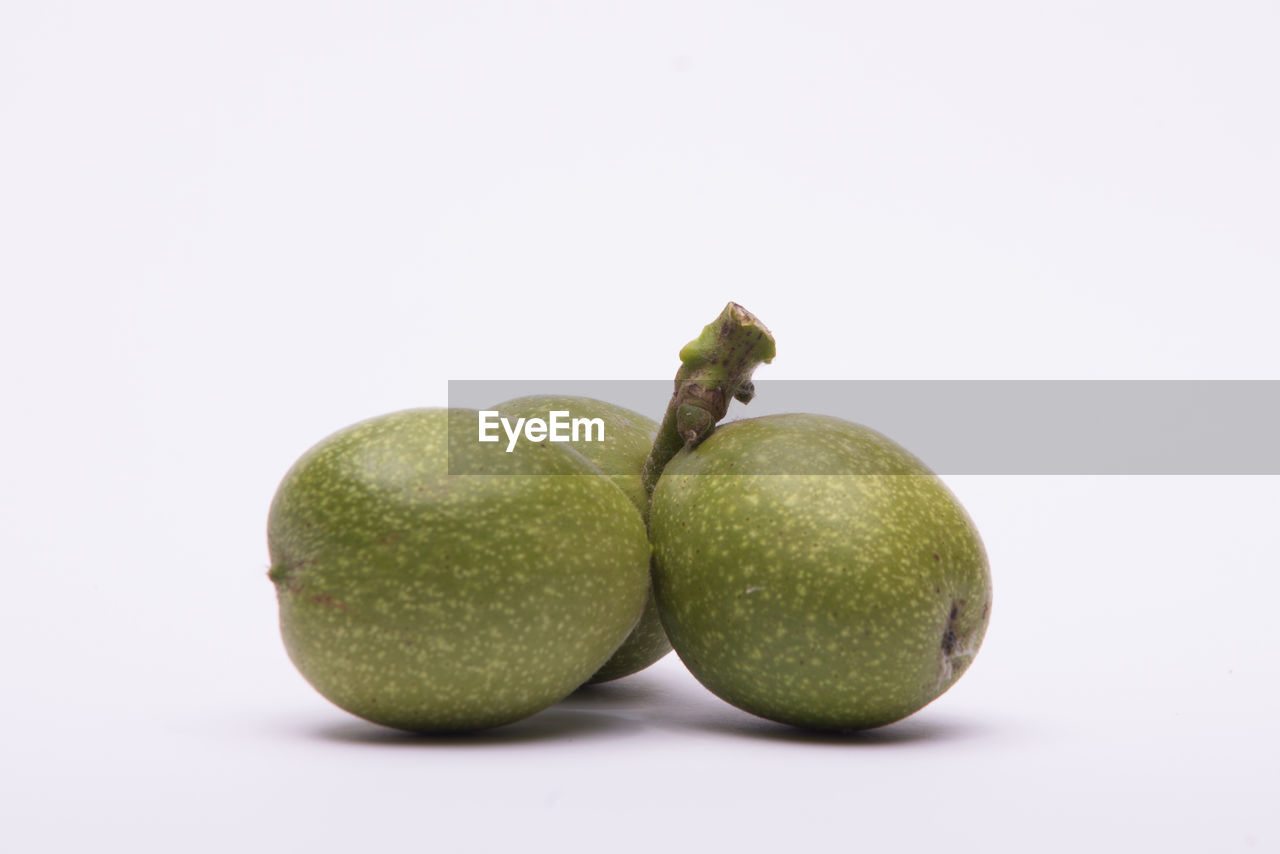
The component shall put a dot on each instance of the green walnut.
(434, 583)
(813, 572)
(628, 436)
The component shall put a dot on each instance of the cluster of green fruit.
(805, 569)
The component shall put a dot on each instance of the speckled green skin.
(628, 437)
(435, 602)
(831, 601)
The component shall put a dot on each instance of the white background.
(228, 229)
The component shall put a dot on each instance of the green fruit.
(436, 601)
(842, 600)
(628, 436)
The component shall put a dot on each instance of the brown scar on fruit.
(327, 600)
(949, 639)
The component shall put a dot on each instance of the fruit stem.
(715, 367)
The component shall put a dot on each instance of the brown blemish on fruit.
(949, 639)
(327, 600)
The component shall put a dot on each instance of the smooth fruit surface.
(628, 436)
(432, 601)
(811, 571)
